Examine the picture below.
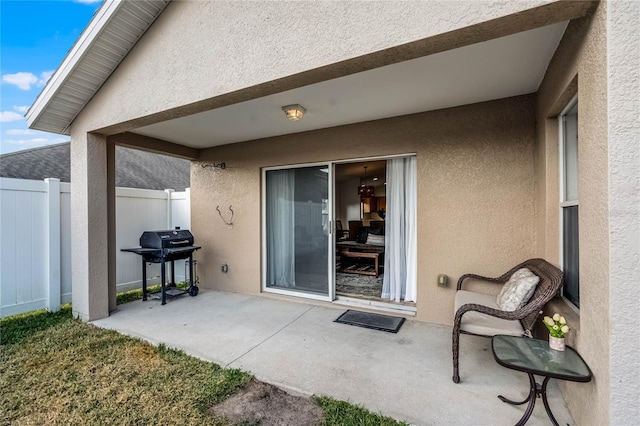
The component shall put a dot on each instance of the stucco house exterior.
(488, 99)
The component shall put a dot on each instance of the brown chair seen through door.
(354, 226)
(341, 234)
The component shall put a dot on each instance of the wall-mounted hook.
(230, 222)
(220, 166)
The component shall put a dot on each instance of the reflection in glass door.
(297, 231)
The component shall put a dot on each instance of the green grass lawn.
(58, 370)
(131, 295)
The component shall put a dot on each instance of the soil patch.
(263, 404)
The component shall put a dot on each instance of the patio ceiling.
(503, 67)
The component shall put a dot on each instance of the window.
(569, 203)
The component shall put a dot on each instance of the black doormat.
(370, 320)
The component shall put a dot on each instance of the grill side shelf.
(181, 249)
(141, 250)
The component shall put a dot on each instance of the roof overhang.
(115, 28)
(119, 24)
(499, 68)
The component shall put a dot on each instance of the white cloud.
(19, 132)
(17, 139)
(23, 80)
(8, 116)
(27, 141)
(17, 136)
(44, 77)
(30, 132)
(21, 108)
(35, 141)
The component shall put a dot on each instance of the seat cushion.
(483, 324)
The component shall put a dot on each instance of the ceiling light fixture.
(364, 190)
(294, 112)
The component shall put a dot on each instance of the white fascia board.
(77, 52)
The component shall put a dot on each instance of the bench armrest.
(498, 280)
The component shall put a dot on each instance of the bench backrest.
(551, 279)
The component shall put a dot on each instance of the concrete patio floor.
(298, 347)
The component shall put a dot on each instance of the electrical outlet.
(225, 268)
(442, 280)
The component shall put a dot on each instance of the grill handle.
(179, 242)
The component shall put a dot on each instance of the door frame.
(381, 305)
(330, 236)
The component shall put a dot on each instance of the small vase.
(556, 343)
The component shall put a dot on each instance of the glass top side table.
(533, 356)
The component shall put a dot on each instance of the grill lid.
(174, 238)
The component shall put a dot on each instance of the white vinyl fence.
(35, 239)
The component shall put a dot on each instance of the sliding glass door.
(297, 231)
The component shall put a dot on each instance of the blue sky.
(35, 37)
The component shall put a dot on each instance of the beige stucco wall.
(475, 200)
(579, 65)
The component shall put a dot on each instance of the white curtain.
(400, 257)
(280, 229)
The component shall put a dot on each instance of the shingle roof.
(134, 168)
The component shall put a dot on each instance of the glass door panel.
(297, 230)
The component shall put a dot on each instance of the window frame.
(563, 203)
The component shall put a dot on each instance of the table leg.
(543, 392)
(508, 401)
(377, 265)
(533, 392)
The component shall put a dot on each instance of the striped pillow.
(518, 290)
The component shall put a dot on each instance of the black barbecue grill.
(166, 246)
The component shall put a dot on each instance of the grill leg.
(193, 288)
(163, 270)
(173, 274)
(144, 280)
